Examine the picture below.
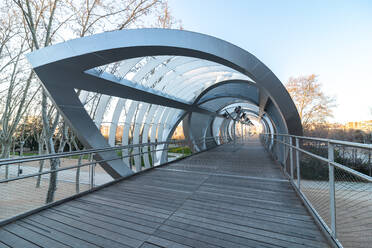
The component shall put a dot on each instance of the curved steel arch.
(64, 67)
(227, 91)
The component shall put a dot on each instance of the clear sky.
(330, 38)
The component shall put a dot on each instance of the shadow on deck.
(231, 196)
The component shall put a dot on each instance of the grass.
(24, 154)
(186, 150)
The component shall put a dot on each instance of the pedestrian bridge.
(233, 195)
(125, 94)
(230, 196)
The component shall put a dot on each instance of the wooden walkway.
(231, 196)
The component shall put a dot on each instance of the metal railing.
(77, 172)
(327, 174)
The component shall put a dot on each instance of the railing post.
(277, 148)
(91, 174)
(266, 141)
(234, 133)
(291, 156)
(153, 155)
(298, 163)
(284, 160)
(140, 157)
(332, 188)
(270, 143)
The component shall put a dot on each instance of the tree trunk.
(77, 178)
(54, 165)
(13, 149)
(5, 152)
(41, 163)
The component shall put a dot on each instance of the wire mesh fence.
(334, 178)
(18, 196)
(314, 183)
(353, 196)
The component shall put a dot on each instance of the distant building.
(335, 126)
(105, 131)
(365, 126)
(178, 133)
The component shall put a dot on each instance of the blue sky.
(332, 39)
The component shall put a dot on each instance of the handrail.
(341, 194)
(332, 141)
(74, 167)
(88, 151)
(87, 181)
(338, 165)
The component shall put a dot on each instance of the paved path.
(231, 196)
(65, 175)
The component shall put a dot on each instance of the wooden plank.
(59, 236)
(125, 202)
(120, 229)
(247, 235)
(165, 203)
(201, 237)
(107, 219)
(254, 209)
(108, 233)
(127, 208)
(149, 245)
(188, 241)
(252, 215)
(138, 218)
(218, 234)
(218, 199)
(3, 245)
(88, 236)
(166, 243)
(12, 240)
(287, 229)
(33, 236)
(267, 234)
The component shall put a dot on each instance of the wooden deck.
(231, 196)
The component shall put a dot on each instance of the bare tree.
(312, 104)
(165, 18)
(95, 16)
(49, 21)
(15, 98)
(38, 18)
